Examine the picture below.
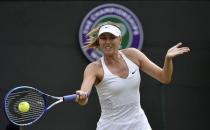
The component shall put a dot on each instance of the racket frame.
(46, 108)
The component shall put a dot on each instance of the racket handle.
(69, 97)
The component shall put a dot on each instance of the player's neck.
(112, 59)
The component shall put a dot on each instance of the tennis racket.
(36, 104)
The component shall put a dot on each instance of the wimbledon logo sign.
(131, 28)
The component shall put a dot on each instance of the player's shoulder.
(130, 51)
(94, 68)
(94, 65)
(133, 54)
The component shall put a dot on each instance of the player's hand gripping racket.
(24, 105)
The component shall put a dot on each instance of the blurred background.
(39, 46)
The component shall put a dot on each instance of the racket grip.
(69, 97)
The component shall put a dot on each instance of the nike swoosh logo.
(133, 72)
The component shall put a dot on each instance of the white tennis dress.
(120, 100)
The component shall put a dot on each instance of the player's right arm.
(89, 79)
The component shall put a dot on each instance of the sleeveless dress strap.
(130, 63)
(106, 70)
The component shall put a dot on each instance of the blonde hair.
(92, 41)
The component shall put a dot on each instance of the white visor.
(110, 29)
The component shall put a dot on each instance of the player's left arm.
(163, 74)
(167, 70)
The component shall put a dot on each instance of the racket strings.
(35, 100)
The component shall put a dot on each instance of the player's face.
(109, 43)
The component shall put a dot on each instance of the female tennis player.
(117, 79)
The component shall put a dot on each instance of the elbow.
(166, 81)
(165, 78)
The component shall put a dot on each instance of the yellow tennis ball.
(23, 106)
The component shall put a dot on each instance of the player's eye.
(102, 38)
(112, 37)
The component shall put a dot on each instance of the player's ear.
(120, 39)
